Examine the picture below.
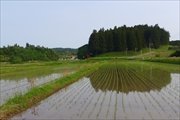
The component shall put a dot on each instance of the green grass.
(165, 60)
(7, 68)
(29, 70)
(145, 51)
(156, 55)
(123, 54)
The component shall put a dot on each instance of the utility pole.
(126, 52)
(135, 50)
(150, 49)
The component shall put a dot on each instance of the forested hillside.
(63, 51)
(124, 39)
(18, 54)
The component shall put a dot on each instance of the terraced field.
(10, 87)
(115, 91)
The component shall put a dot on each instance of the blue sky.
(70, 23)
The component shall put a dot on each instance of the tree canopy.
(18, 54)
(82, 52)
(126, 38)
(63, 51)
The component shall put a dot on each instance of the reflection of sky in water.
(175, 83)
(9, 88)
(81, 101)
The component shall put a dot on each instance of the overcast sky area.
(69, 24)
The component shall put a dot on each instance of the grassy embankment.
(36, 94)
(160, 55)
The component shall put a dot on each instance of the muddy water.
(22, 83)
(84, 100)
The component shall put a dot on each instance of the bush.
(157, 55)
(176, 53)
(14, 60)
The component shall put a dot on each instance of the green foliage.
(15, 59)
(157, 55)
(174, 48)
(18, 54)
(175, 42)
(93, 44)
(176, 54)
(65, 51)
(127, 38)
(175, 45)
(82, 52)
(165, 60)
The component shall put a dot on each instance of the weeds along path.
(22, 102)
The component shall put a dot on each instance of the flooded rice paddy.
(21, 83)
(114, 91)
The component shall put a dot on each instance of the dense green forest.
(125, 38)
(175, 43)
(65, 51)
(82, 52)
(18, 54)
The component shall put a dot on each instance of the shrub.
(176, 53)
(157, 55)
(15, 59)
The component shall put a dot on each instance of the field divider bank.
(21, 102)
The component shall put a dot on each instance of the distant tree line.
(174, 43)
(126, 38)
(18, 54)
(82, 52)
(65, 51)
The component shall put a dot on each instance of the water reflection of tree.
(65, 72)
(144, 81)
(17, 87)
(31, 80)
(34, 111)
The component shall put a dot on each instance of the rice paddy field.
(117, 90)
(13, 85)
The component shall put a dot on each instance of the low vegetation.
(175, 54)
(65, 51)
(173, 60)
